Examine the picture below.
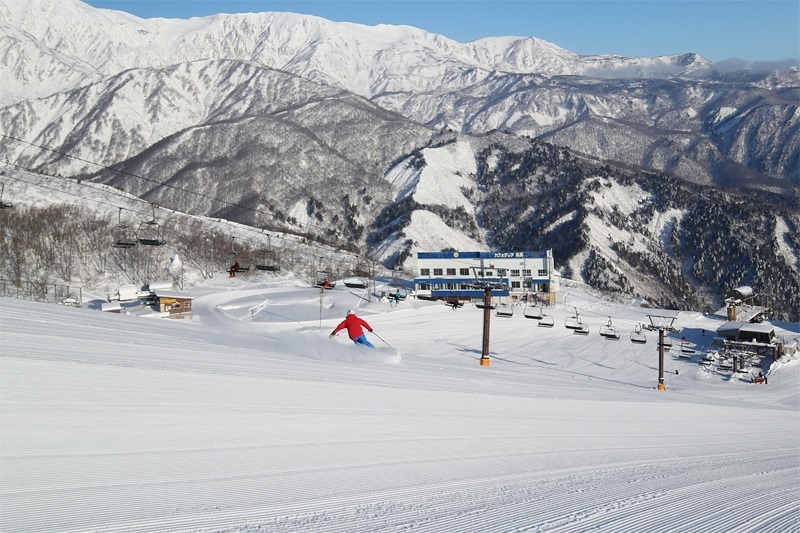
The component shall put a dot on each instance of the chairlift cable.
(159, 183)
(138, 199)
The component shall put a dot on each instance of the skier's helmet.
(350, 312)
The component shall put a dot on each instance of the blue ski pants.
(363, 340)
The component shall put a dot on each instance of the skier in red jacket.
(354, 325)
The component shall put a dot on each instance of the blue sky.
(754, 31)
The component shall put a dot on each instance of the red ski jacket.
(353, 325)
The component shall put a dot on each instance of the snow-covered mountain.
(362, 59)
(671, 113)
(393, 139)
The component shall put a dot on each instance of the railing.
(42, 292)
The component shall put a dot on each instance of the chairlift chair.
(638, 336)
(583, 329)
(355, 282)
(265, 258)
(399, 294)
(504, 310)
(609, 332)
(149, 232)
(687, 348)
(238, 267)
(263, 263)
(123, 236)
(710, 356)
(534, 312)
(321, 277)
(573, 322)
(546, 321)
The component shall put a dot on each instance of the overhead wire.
(151, 180)
(60, 191)
(250, 242)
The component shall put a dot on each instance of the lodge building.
(452, 275)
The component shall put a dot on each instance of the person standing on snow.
(354, 325)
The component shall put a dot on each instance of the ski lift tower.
(486, 287)
(661, 323)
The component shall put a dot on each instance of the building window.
(424, 271)
(528, 284)
(489, 273)
(515, 285)
(464, 272)
(451, 271)
(526, 273)
(515, 273)
(542, 272)
(437, 271)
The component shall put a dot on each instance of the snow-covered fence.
(42, 292)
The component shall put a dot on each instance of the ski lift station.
(452, 276)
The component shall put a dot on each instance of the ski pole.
(381, 338)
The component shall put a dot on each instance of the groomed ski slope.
(249, 418)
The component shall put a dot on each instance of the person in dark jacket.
(354, 327)
(234, 268)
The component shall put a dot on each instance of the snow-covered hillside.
(248, 417)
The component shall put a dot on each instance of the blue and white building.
(449, 275)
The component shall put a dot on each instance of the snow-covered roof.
(746, 313)
(763, 327)
(741, 293)
(172, 294)
(739, 325)
(731, 325)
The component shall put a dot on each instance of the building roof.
(173, 294)
(731, 326)
(741, 293)
(763, 327)
(747, 313)
(737, 326)
(480, 255)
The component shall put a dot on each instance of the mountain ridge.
(284, 41)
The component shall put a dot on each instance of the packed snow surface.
(249, 417)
